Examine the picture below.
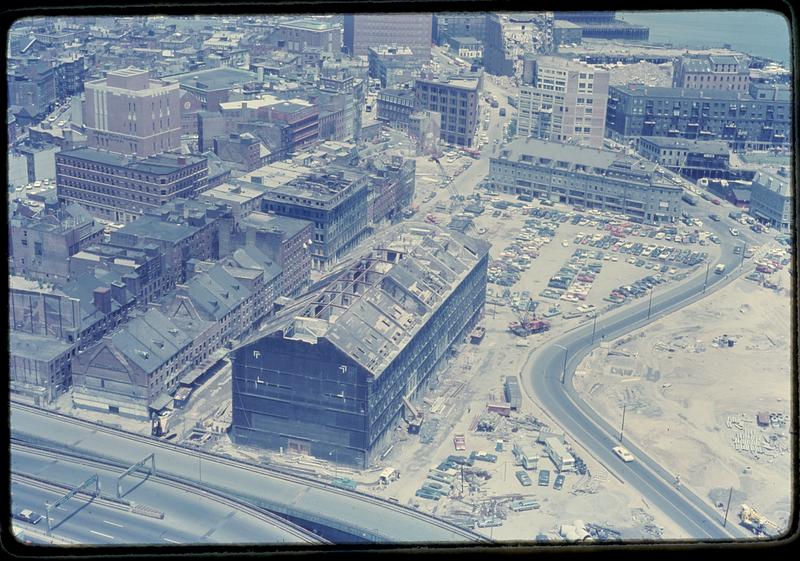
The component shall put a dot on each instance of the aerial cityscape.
(406, 278)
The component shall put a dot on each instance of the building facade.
(335, 199)
(299, 35)
(691, 158)
(121, 188)
(736, 117)
(562, 100)
(395, 105)
(333, 381)
(362, 31)
(771, 200)
(130, 113)
(712, 72)
(42, 244)
(456, 99)
(586, 177)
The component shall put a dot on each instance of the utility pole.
(624, 406)
(705, 282)
(594, 326)
(727, 507)
(650, 305)
(744, 249)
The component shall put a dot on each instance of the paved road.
(360, 515)
(189, 518)
(544, 377)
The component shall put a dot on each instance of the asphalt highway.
(189, 517)
(548, 379)
(360, 515)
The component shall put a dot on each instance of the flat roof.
(708, 146)
(36, 347)
(214, 78)
(276, 223)
(309, 24)
(161, 164)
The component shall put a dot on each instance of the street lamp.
(705, 282)
(564, 369)
(594, 326)
(650, 305)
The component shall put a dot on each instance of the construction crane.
(755, 522)
(447, 180)
(528, 322)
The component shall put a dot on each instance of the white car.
(623, 453)
(734, 232)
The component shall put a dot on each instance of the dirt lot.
(692, 402)
(474, 378)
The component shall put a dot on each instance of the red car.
(715, 201)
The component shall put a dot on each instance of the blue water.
(757, 32)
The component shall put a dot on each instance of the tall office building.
(403, 30)
(562, 100)
(130, 113)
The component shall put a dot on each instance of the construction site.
(706, 393)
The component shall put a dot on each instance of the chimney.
(102, 299)
(181, 161)
(118, 292)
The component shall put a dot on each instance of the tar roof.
(36, 347)
(290, 227)
(215, 78)
(708, 146)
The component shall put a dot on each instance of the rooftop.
(150, 340)
(775, 182)
(582, 159)
(290, 227)
(309, 24)
(373, 309)
(160, 164)
(637, 90)
(36, 347)
(706, 146)
(214, 78)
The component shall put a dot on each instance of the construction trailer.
(513, 393)
(522, 457)
(555, 448)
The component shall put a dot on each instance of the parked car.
(559, 482)
(714, 217)
(544, 478)
(524, 478)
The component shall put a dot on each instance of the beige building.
(563, 101)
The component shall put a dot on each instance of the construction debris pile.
(641, 517)
(759, 437)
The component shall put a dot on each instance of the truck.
(160, 426)
(525, 459)
(719, 269)
(502, 111)
(755, 522)
(459, 442)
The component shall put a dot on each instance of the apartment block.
(771, 199)
(121, 188)
(562, 100)
(362, 31)
(456, 99)
(130, 113)
(744, 122)
(712, 72)
(586, 177)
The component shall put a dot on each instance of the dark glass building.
(333, 380)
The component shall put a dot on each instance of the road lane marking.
(113, 523)
(171, 541)
(101, 534)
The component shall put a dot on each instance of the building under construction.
(336, 374)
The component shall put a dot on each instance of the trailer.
(459, 442)
(513, 393)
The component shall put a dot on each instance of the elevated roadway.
(361, 516)
(191, 515)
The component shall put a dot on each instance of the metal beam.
(50, 507)
(134, 468)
